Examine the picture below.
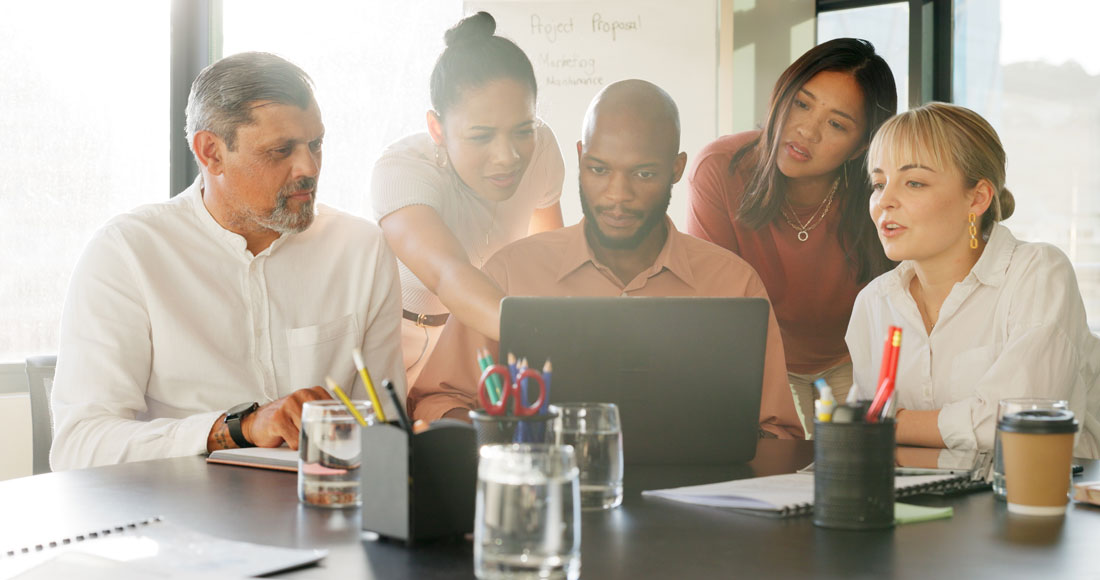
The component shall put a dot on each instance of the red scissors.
(520, 408)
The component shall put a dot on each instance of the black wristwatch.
(233, 418)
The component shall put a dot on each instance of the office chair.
(40, 378)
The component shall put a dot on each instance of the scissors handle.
(484, 386)
(520, 407)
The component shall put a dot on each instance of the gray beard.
(282, 219)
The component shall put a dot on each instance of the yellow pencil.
(347, 402)
(378, 412)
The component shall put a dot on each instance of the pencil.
(346, 401)
(358, 356)
(546, 372)
(402, 418)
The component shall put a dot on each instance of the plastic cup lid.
(1040, 421)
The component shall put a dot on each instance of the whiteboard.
(577, 48)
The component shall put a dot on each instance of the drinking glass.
(595, 432)
(329, 450)
(527, 520)
(1006, 407)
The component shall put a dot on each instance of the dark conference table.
(645, 538)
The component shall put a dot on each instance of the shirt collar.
(991, 268)
(673, 255)
(235, 241)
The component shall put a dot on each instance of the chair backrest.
(40, 378)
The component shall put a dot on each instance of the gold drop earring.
(973, 231)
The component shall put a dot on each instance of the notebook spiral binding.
(90, 535)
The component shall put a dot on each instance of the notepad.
(278, 458)
(151, 548)
(785, 495)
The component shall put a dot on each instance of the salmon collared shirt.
(561, 263)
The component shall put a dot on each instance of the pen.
(513, 372)
(346, 401)
(358, 356)
(886, 386)
(402, 418)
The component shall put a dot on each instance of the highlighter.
(826, 404)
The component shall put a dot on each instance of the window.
(370, 62)
(885, 26)
(85, 114)
(1034, 73)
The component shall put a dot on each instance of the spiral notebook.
(150, 548)
(790, 494)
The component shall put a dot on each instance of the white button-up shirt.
(170, 321)
(1014, 327)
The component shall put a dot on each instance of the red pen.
(888, 383)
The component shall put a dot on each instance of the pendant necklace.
(804, 229)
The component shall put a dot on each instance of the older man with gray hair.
(206, 321)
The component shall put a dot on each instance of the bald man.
(625, 246)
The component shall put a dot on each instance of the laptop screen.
(686, 373)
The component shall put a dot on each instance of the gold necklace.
(804, 229)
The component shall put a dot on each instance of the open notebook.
(790, 494)
(278, 458)
(151, 548)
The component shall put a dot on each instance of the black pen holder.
(508, 429)
(854, 475)
(418, 487)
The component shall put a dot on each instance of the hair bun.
(1006, 203)
(480, 25)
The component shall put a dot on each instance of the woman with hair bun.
(487, 172)
(983, 315)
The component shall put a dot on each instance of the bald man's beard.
(656, 216)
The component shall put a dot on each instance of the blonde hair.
(943, 135)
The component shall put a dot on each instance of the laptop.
(686, 373)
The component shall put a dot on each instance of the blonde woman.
(984, 316)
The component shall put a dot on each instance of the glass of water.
(595, 432)
(527, 522)
(1007, 407)
(329, 450)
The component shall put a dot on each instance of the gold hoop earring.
(973, 231)
(440, 156)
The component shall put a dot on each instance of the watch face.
(242, 409)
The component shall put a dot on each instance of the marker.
(358, 356)
(346, 401)
(825, 405)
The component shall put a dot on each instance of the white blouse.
(1014, 327)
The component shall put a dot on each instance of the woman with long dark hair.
(791, 199)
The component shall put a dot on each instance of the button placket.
(262, 315)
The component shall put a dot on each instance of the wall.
(767, 36)
(15, 422)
